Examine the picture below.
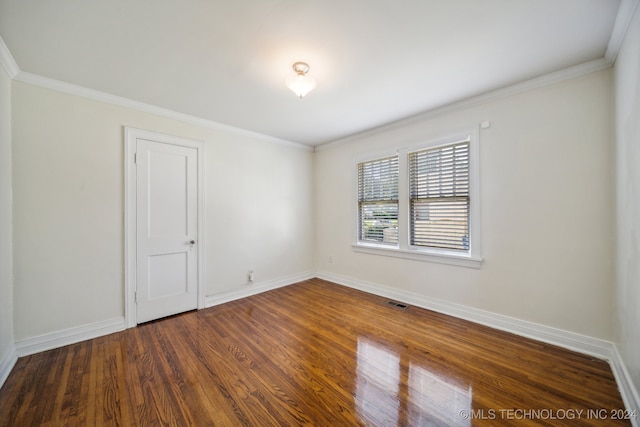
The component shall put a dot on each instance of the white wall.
(546, 187)
(69, 204)
(6, 263)
(627, 131)
(546, 208)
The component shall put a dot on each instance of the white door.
(166, 229)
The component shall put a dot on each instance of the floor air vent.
(397, 304)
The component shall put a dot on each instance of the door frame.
(131, 135)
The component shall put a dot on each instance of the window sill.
(417, 255)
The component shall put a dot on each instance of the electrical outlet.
(330, 259)
(250, 276)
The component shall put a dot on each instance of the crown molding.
(83, 92)
(525, 86)
(620, 28)
(7, 61)
(623, 19)
(14, 72)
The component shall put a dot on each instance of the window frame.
(471, 258)
(378, 201)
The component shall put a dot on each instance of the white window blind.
(378, 201)
(439, 197)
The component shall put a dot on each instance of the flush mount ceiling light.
(300, 84)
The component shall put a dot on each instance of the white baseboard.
(81, 333)
(587, 345)
(629, 392)
(7, 363)
(257, 288)
(581, 343)
(69, 336)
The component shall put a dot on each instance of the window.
(378, 201)
(439, 197)
(422, 203)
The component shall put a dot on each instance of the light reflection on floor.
(431, 398)
(377, 387)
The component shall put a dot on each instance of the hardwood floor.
(313, 353)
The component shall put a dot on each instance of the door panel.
(166, 224)
(168, 274)
(168, 188)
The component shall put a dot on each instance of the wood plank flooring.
(313, 353)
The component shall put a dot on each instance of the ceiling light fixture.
(300, 84)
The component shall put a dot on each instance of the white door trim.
(130, 227)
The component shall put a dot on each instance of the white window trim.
(473, 258)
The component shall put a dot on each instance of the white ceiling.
(375, 61)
